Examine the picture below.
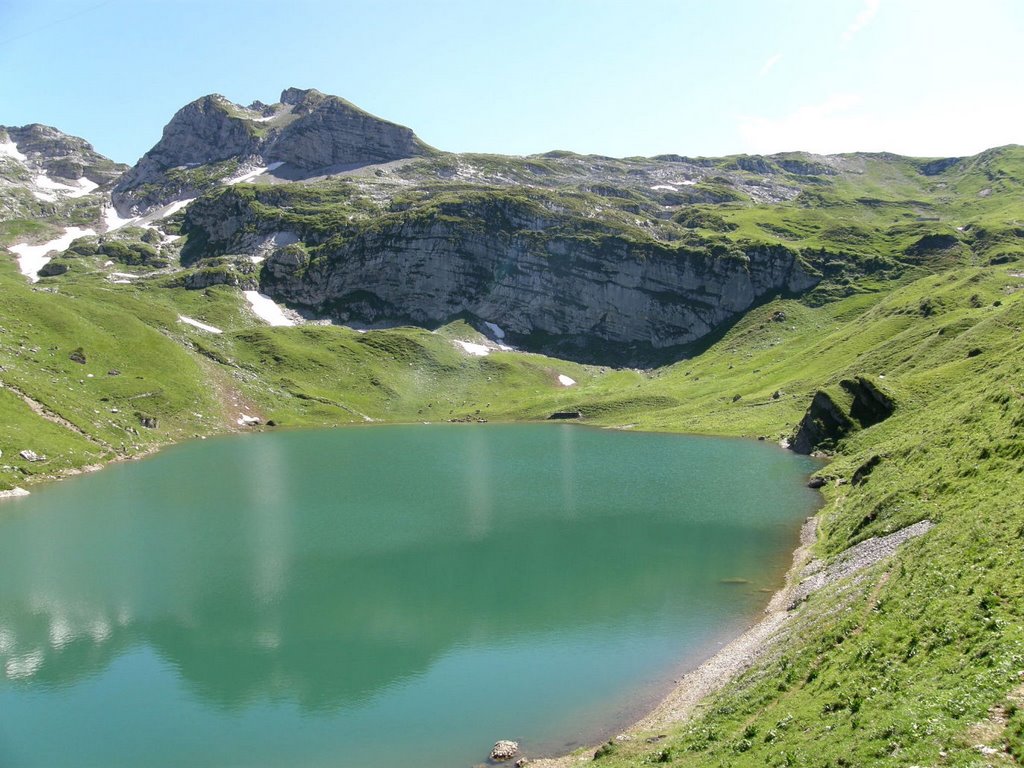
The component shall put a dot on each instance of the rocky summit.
(210, 139)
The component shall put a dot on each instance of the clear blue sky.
(522, 76)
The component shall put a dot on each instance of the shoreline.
(232, 430)
(692, 689)
(806, 576)
(720, 669)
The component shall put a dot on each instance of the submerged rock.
(504, 750)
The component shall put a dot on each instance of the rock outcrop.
(60, 156)
(48, 175)
(857, 404)
(211, 139)
(553, 281)
(330, 131)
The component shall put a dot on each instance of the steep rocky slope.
(349, 218)
(212, 139)
(47, 174)
(547, 278)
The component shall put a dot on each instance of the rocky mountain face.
(353, 219)
(211, 140)
(548, 283)
(61, 156)
(45, 173)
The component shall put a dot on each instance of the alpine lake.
(379, 596)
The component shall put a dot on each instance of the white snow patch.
(47, 183)
(687, 183)
(498, 333)
(81, 187)
(479, 350)
(114, 220)
(174, 207)
(32, 258)
(257, 259)
(10, 149)
(85, 186)
(666, 187)
(197, 324)
(125, 275)
(246, 175)
(121, 282)
(266, 309)
(565, 381)
(251, 173)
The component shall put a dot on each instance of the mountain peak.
(308, 131)
(297, 96)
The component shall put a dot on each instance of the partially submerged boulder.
(504, 750)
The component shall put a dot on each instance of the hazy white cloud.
(769, 64)
(846, 122)
(861, 20)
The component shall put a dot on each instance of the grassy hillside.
(919, 661)
(897, 669)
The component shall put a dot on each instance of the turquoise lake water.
(379, 596)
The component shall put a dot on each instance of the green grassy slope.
(916, 663)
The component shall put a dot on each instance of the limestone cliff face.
(46, 174)
(598, 297)
(330, 131)
(211, 138)
(61, 156)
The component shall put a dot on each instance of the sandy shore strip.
(804, 577)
